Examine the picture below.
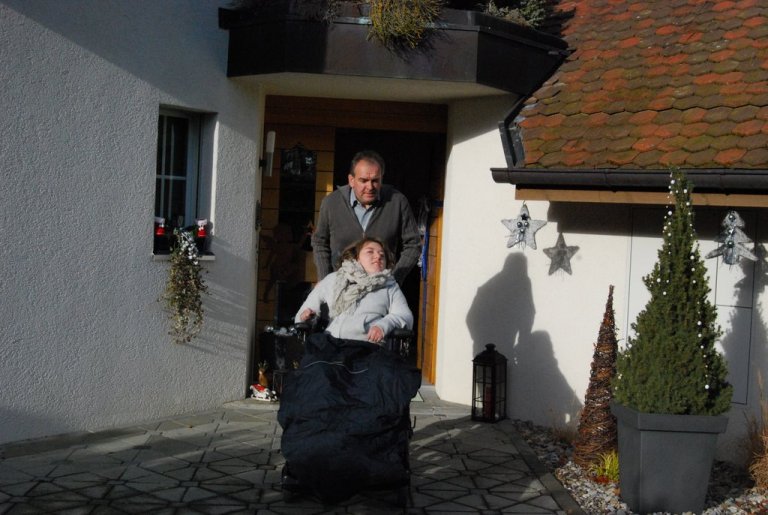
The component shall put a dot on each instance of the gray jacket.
(385, 308)
(392, 222)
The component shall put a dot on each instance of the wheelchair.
(352, 435)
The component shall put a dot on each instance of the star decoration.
(733, 240)
(523, 229)
(560, 255)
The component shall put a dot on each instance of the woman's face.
(372, 257)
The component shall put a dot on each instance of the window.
(183, 176)
(176, 183)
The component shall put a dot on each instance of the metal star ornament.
(523, 229)
(560, 255)
(733, 240)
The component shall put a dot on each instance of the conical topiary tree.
(671, 365)
(597, 426)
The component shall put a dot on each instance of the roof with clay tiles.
(654, 84)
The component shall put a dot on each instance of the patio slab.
(229, 461)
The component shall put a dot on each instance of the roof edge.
(725, 180)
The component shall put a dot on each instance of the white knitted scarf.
(353, 283)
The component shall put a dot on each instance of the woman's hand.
(307, 314)
(375, 334)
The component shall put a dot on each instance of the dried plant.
(757, 440)
(525, 12)
(758, 469)
(399, 23)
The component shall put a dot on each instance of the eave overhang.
(717, 187)
(466, 47)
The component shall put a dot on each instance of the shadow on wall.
(733, 345)
(759, 349)
(503, 313)
(227, 306)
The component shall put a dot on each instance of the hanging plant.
(184, 289)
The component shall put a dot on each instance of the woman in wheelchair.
(364, 300)
(345, 411)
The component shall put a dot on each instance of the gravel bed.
(731, 490)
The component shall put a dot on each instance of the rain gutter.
(725, 181)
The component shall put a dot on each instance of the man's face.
(365, 181)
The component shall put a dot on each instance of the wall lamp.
(269, 155)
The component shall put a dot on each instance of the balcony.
(468, 54)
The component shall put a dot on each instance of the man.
(366, 207)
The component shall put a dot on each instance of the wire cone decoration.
(597, 433)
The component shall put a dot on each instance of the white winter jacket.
(385, 308)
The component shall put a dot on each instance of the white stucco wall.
(544, 324)
(84, 341)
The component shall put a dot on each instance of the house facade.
(85, 342)
(116, 112)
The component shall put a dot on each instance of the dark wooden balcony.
(466, 47)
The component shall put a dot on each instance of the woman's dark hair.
(353, 251)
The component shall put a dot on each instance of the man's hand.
(375, 334)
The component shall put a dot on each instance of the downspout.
(511, 141)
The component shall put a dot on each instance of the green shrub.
(671, 365)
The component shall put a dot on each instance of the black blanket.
(345, 419)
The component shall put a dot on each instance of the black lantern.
(489, 381)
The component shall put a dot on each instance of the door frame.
(313, 123)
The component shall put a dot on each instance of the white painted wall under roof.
(505, 295)
(544, 324)
(84, 339)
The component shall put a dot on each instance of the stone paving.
(228, 461)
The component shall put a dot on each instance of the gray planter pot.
(665, 460)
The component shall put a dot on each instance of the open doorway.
(414, 165)
(410, 137)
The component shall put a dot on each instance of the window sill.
(167, 257)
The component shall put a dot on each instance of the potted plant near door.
(670, 390)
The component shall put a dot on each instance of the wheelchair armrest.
(402, 333)
(399, 341)
(303, 326)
